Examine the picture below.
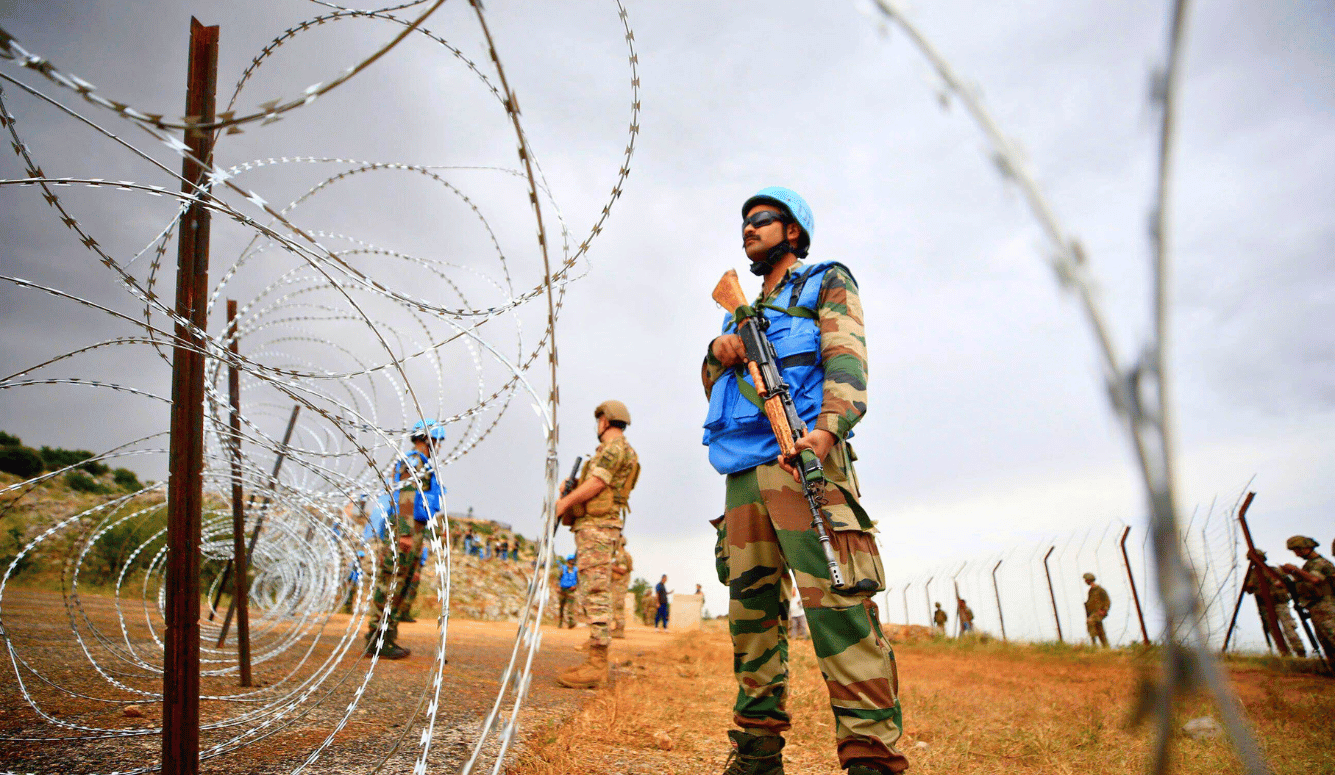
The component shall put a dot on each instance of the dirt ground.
(972, 709)
(40, 627)
(969, 708)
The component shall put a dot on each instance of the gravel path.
(39, 625)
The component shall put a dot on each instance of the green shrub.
(7, 440)
(111, 553)
(20, 461)
(81, 482)
(126, 479)
(15, 538)
(56, 458)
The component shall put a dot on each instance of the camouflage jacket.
(843, 349)
(617, 466)
(1321, 567)
(1098, 602)
(939, 617)
(1278, 591)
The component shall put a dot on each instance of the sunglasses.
(762, 219)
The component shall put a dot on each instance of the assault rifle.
(566, 487)
(763, 365)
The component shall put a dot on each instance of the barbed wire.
(357, 336)
(1138, 389)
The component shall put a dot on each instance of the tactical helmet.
(1089, 577)
(424, 428)
(1301, 542)
(614, 411)
(791, 203)
(938, 605)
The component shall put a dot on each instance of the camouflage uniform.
(393, 577)
(766, 529)
(940, 618)
(1283, 610)
(1096, 609)
(1319, 599)
(966, 618)
(597, 529)
(622, 565)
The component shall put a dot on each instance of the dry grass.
(979, 708)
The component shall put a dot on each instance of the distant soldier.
(1279, 593)
(419, 496)
(622, 565)
(565, 612)
(1315, 593)
(596, 512)
(1096, 610)
(940, 618)
(966, 617)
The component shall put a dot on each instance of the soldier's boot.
(868, 768)
(590, 674)
(754, 754)
(390, 650)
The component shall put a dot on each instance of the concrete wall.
(685, 612)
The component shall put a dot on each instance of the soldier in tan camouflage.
(622, 565)
(1096, 610)
(1316, 589)
(595, 510)
(1279, 593)
(814, 316)
(939, 620)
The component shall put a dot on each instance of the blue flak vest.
(432, 487)
(736, 430)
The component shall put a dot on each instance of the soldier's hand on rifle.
(728, 349)
(818, 441)
(1287, 567)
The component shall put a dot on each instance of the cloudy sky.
(988, 426)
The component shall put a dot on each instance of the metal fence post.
(1053, 594)
(185, 491)
(240, 592)
(1135, 596)
(997, 590)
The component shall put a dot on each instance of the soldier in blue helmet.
(420, 496)
(813, 315)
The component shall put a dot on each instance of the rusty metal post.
(959, 604)
(927, 594)
(1053, 594)
(1263, 596)
(1232, 623)
(240, 592)
(1135, 596)
(185, 491)
(259, 522)
(997, 590)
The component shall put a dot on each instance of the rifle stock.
(728, 292)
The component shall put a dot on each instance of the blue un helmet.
(428, 428)
(791, 203)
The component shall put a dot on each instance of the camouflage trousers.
(565, 612)
(1094, 625)
(397, 573)
(1322, 616)
(594, 546)
(1284, 614)
(620, 583)
(764, 532)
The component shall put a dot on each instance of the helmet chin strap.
(763, 266)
